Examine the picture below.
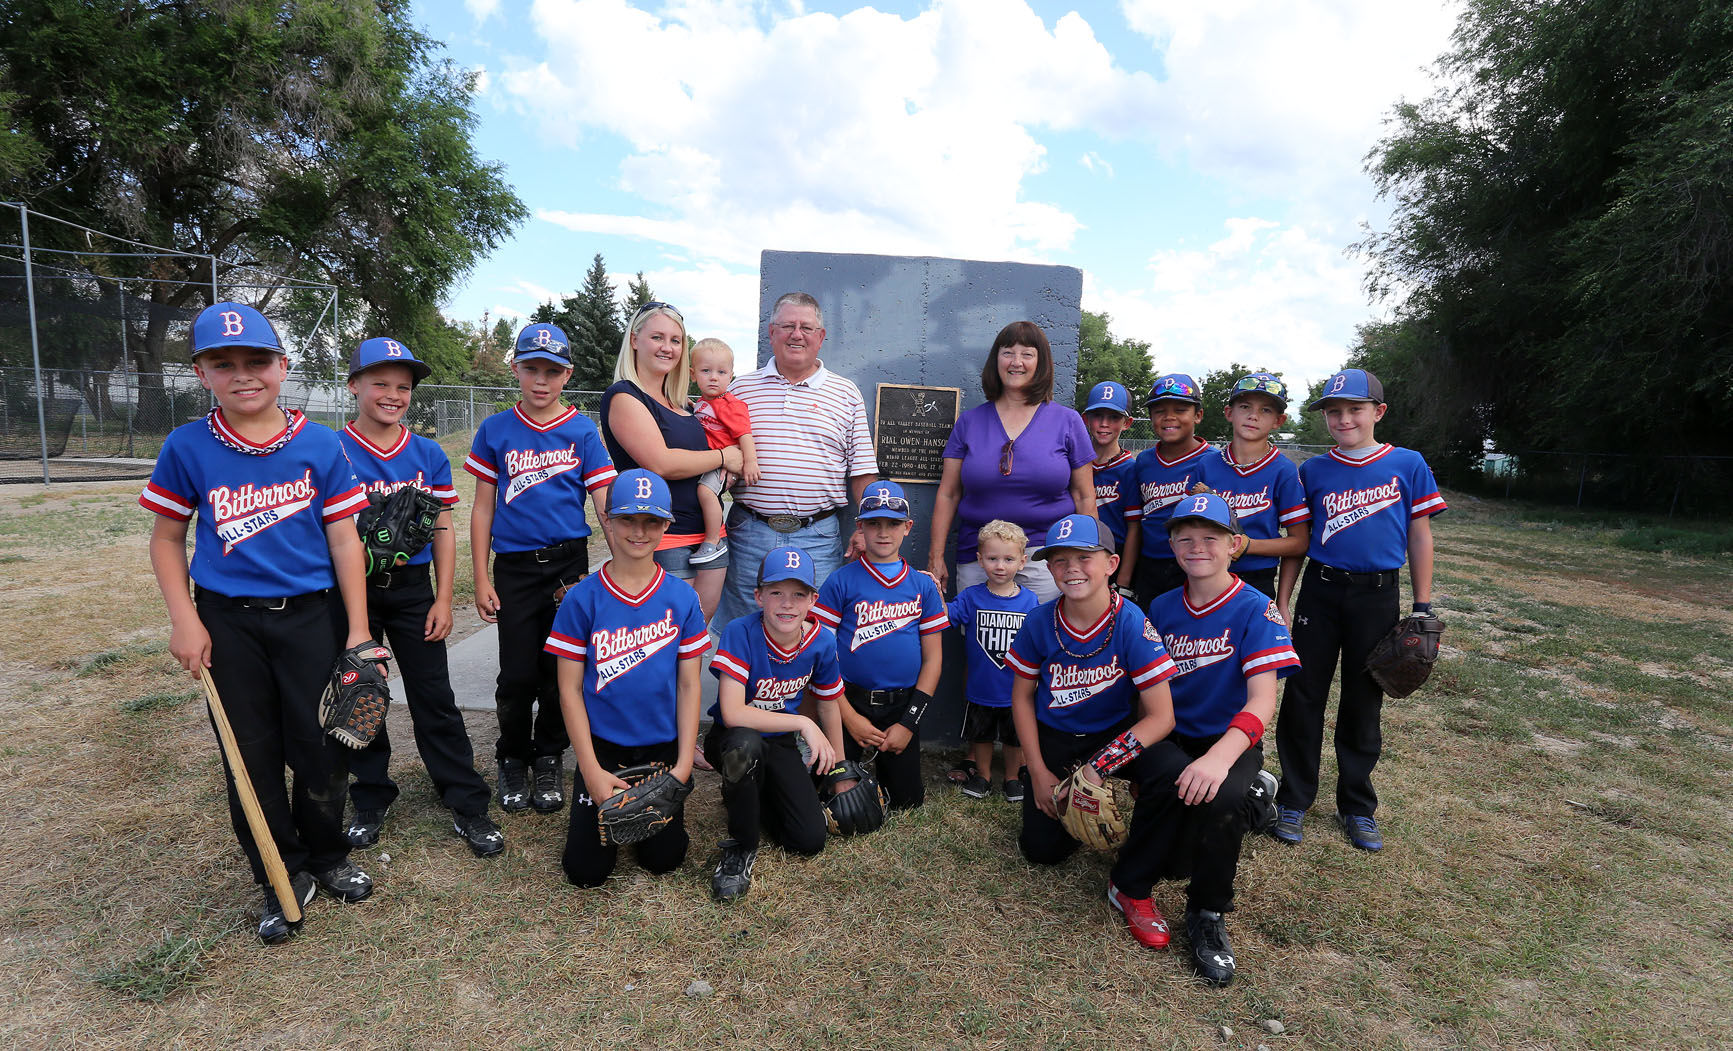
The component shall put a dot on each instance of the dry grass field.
(1557, 871)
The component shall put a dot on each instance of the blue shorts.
(677, 561)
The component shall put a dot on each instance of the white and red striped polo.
(812, 438)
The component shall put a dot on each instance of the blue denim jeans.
(749, 540)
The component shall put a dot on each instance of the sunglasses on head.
(884, 503)
(1262, 385)
(657, 304)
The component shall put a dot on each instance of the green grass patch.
(109, 658)
(1675, 541)
(156, 702)
(162, 969)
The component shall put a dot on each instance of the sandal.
(962, 772)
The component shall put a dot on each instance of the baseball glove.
(645, 808)
(1403, 659)
(858, 809)
(1097, 816)
(395, 528)
(353, 707)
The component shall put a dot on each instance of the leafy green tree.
(1101, 357)
(637, 294)
(596, 329)
(1561, 246)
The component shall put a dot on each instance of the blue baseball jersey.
(1361, 508)
(1087, 694)
(631, 647)
(1266, 496)
(1116, 494)
(261, 518)
(411, 460)
(989, 623)
(542, 471)
(776, 680)
(879, 614)
(1216, 648)
(1160, 484)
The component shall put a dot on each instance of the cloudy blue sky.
(1199, 161)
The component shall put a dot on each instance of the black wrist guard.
(918, 702)
(1423, 607)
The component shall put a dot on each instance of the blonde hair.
(1004, 532)
(711, 343)
(679, 378)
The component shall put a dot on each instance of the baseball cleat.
(274, 927)
(1261, 813)
(550, 793)
(1141, 915)
(1362, 831)
(734, 874)
(479, 831)
(1288, 825)
(1211, 955)
(346, 883)
(364, 827)
(514, 785)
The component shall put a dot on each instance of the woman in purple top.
(1018, 456)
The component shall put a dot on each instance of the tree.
(1561, 247)
(596, 329)
(637, 294)
(1217, 386)
(1101, 357)
(321, 141)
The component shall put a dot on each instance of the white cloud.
(1264, 295)
(1095, 162)
(481, 9)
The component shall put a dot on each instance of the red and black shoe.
(1141, 915)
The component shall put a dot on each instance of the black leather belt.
(551, 553)
(401, 577)
(1383, 578)
(788, 523)
(273, 604)
(859, 695)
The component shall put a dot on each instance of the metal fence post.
(1582, 478)
(469, 420)
(35, 347)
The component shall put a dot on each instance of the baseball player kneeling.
(1091, 694)
(631, 639)
(1230, 645)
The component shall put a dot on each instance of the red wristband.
(1248, 724)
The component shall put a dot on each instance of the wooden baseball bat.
(274, 870)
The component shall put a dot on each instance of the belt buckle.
(541, 555)
(282, 604)
(783, 523)
(383, 580)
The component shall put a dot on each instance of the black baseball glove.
(653, 799)
(356, 698)
(860, 808)
(395, 528)
(1403, 659)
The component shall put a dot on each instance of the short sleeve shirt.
(879, 614)
(411, 460)
(1216, 648)
(1037, 491)
(1361, 509)
(776, 680)
(1088, 679)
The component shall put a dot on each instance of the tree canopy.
(1561, 248)
(1102, 357)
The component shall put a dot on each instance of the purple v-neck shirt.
(1037, 492)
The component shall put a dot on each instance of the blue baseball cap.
(1351, 385)
(233, 325)
(383, 350)
(639, 492)
(788, 563)
(542, 340)
(1110, 395)
(1204, 507)
(1266, 383)
(1076, 533)
(883, 500)
(1175, 386)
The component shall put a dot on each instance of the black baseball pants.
(1200, 840)
(270, 666)
(1153, 577)
(899, 774)
(1044, 840)
(397, 607)
(587, 860)
(1264, 580)
(1337, 615)
(766, 788)
(526, 582)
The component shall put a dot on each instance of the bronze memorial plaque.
(912, 425)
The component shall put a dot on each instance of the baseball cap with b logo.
(638, 492)
(1076, 533)
(883, 500)
(233, 325)
(1110, 395)
(1204, 507)
(545, 341)
(383, 350)
(1175, 386)
(1351, 385)
(788, 563)
(1265, 383)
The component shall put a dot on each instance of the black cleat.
(1211, 955)
(274, 927)
(550, 792)
(364, 828)
(514, 785)
(1260, 805)
(346, 883)
(734, 875)
(479, 831)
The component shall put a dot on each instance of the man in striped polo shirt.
(813, 449)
